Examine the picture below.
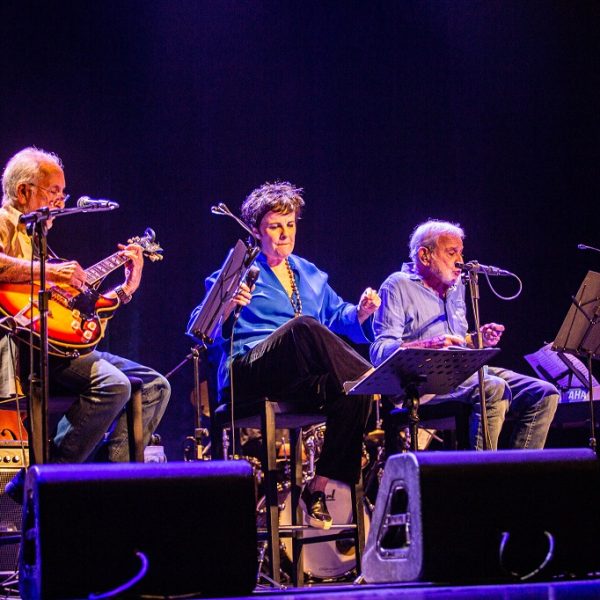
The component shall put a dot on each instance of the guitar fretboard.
(100, 270)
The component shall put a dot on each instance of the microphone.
(87, 202)
(219, 209)
(223, 210)
(584, 247)
(250, 279)
(474, 267)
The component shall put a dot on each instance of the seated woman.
(285, 342)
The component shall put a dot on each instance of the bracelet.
(122, 295)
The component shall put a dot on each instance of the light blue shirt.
(271, 307)
(411, 311)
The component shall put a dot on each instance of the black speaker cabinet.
(477, 516)
(182, 528)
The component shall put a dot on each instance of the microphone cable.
(500, 296)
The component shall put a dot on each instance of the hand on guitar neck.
(133, 267)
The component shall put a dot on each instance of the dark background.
(387, 113)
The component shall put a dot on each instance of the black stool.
(59, 404)
(268, 414)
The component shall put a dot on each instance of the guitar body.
(76, 320)
(12, 427)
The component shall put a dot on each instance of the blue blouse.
(271, 307)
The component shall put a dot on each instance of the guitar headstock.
(148, 242)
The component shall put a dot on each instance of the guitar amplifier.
(13, 456)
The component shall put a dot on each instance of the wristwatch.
(122, 295)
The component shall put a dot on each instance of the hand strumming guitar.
(69, 272)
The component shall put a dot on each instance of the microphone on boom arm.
(474, 267)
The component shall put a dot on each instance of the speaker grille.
(10, 511)
(9, 525)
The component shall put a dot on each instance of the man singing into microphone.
(34, 179)
(423, 306)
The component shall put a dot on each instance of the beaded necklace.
(295, 299)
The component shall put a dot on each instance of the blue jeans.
(530, 402)
(100, 381)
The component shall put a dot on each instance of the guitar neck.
(100, 270)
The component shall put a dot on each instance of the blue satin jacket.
(271, 307)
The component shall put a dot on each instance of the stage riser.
(194, 522)
(441, 516)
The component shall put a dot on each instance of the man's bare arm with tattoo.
(18, 270)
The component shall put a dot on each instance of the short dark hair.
(280, 197)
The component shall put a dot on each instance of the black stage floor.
(557, 590)
(580, 590)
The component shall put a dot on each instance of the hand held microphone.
(250, 279)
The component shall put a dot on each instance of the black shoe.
(15, 488)
(316, 509)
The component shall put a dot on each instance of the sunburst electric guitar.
(76, 318)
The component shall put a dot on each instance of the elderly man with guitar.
(34, 179)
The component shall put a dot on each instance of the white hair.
(25, 167)
(428, 233)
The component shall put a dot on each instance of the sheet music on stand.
(210, 315)
(432, 371)
(559, 368)
(579, 334)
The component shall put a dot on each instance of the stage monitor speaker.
(179, 528)
(13, 455)
(484, 516)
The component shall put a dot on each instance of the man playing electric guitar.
(34, 179)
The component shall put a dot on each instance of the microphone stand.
(199, 432)
(589, 355)
(473, 280)
(37, 229)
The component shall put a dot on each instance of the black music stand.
(579, 334)
(210, 318)
(412, 372)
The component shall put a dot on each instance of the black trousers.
(303, 362)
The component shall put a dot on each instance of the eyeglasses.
(59, 197)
